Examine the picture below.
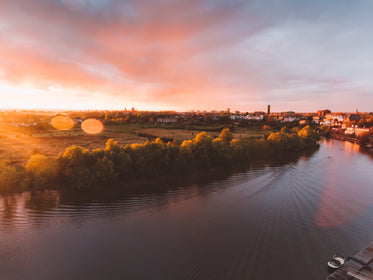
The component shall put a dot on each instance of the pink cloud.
(174, 52)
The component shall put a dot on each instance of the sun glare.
(62, 123)
(92, 126)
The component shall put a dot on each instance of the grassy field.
(18, 144)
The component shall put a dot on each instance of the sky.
(297, 55)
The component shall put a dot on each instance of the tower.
(268, 109)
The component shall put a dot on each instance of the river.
(278, 221)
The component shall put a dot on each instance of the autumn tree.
(365, 138)
(226, 136)
(11, 177)
(42, 171)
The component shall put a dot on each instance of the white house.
(288, 119)
(167, 120)
(356, 130)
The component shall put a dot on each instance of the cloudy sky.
(296, 55)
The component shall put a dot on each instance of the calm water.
(269, 222)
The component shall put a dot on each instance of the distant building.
(356, 130)
(268, 109)
(322, 113)
(288, 119)
(287, 113)
(247, 117)
(353, 117)
(331, 120)
(335, 118)
(237, 117)
(254, 117)
(327, 122)
(166, 120)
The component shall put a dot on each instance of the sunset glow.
(180, 55)
(172, 139)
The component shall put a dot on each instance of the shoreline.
(344, 138)
(85, 169)
(148, 185)
(364, 149)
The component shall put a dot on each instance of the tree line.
(82, 169)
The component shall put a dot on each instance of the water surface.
(281, 221)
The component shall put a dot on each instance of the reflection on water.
(250, 224)
(32, 209)
(347, 190)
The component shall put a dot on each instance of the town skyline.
(226, 110)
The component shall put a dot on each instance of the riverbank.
(344, 137)
(368, 149)
(83, 169)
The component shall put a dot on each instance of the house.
(316, 119)
(236, 117)
(246, 117)
(166, 120)
(350, 118)
(356, 130)
(288, 119)
(334, 118)
(254, 117)
(327, 122)
(353, 117)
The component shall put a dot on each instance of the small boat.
(336, 262)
